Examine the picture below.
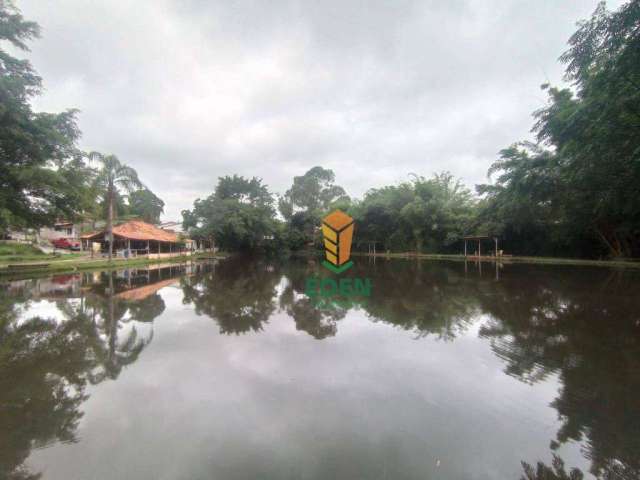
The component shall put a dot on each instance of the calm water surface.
(230, 371)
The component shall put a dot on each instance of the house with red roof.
(137, 238)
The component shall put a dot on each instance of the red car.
(66, 243)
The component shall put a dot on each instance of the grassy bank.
(18, 249)
(537, 260)
(83, 264)
(13, 252)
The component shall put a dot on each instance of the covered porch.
(135, 239)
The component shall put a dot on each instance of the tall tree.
(595, 131)
(581, 183)
(43, 174)
(378, 217)
(310, 197)
(239, 214)
(112, 177)
(144, 203)
(313, 191)
(525, 204)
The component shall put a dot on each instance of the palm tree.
(113, 176)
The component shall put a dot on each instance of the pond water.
(234, 370)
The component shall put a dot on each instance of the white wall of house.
(26, 236)
(60, 231)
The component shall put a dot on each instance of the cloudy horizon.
(186, 92)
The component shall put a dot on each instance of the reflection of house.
(138, 238)
(140, 293)
(58, 286)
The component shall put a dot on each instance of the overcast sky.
(186, 91)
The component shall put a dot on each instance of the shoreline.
(505, 260)
(76, 265)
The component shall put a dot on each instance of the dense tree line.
(44, 176)
(575, 192)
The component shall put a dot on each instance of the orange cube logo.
(337, 233)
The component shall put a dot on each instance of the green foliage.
(554, 472)
(573, 193)
(113, 175)
(312, 192)
(146, 205)
(9, 249)
(42, 170)
(311, 196)
(44, 174)
(524, 206)
(432, 213)
(238, 297)
(583, 187)
(239, 215)
(47, 364)
(112, 178)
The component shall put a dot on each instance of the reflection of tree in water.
(425, 297)
(238, 295)
(318, 322)
(584, 327)
(46, 363)
(43, 373)
(556, 471)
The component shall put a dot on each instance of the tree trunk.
(110, 220)
(613, 251)
(418, 237)
(113, 324)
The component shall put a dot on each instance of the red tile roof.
(137, 230)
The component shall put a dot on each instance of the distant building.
(45, 235)
(60, 229)
(172, 226)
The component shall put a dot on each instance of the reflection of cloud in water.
(244, 378)
(43, 309)
(277, 402)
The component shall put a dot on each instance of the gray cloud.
(187, 91)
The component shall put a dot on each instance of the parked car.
(66, 243)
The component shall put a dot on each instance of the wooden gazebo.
(479, 239)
